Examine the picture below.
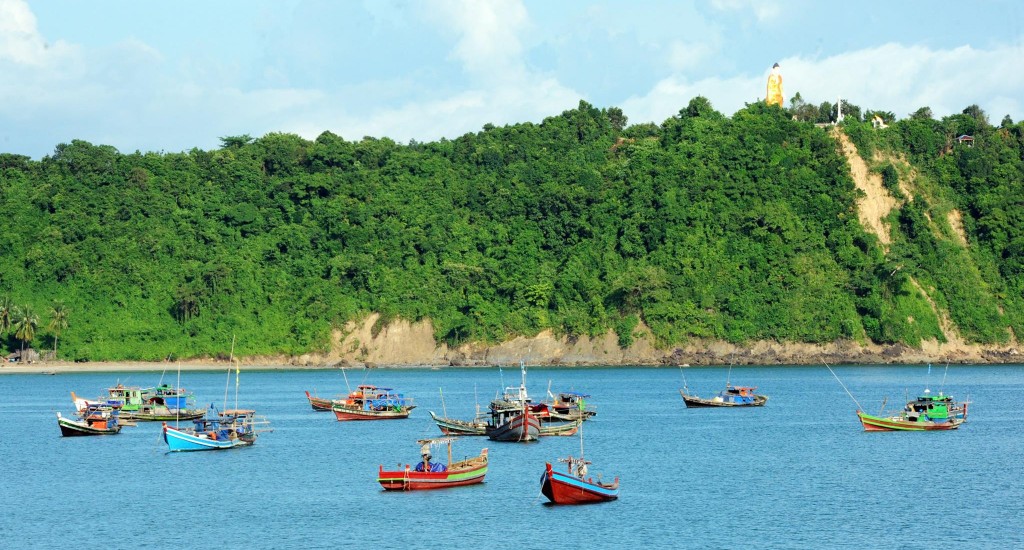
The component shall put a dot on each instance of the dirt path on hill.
(876, 203)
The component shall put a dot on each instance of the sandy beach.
(58, 367)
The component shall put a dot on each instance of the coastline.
(408, 345)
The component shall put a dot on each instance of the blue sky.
(165, 75)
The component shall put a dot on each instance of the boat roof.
(575, 393)
(237, 412)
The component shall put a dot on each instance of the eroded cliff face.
(401, 343)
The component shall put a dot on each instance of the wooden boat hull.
(162, 414)
(548, 429)
(74, 428)
(467, 472)
(561, 488)
(319, 403)
(451, 426)
(343, 413)
(873, 423)
(518, 428)
(694, 402)
(179, 440)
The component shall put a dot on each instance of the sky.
(172, 75)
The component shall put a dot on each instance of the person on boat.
(426, 466)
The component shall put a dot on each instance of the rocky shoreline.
(406, 347)
(404, 344)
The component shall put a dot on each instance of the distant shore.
(59, 367)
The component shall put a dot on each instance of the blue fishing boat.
(215, 431)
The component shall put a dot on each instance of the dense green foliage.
(704, 226)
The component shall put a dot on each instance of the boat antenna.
(681, 373)
(522, 386)
(231, 358)
(177, 410)
(581, 440)
(238, 371)
(843, 385)
(443, 408)
(728, 375)
(501, 376)
(227, 383)
(347, 387)
(944, 373)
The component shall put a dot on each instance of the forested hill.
(743, 228)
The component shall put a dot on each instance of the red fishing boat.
(435, 475)
(573, 486)
(373, 403)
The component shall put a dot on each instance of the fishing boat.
(479, 426)
(320, 404)
(731, 396)
(570, 405)
(373, 403)
(157, 404)
(216, 431)
(169, 396)
(512, 421)
(452, 426)
(575, 486)
(435, 475)
(927, 412)
(94, 420)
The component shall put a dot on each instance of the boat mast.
(177, 410)
(348, 388)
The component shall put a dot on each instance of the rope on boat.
(843, 385)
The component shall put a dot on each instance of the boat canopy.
(575, 394)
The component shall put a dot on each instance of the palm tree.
(25, 323)
(58, 322)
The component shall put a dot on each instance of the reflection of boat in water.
(731, 396)
(435, 475)
(93, 420)
(372, 403)
(928, 412)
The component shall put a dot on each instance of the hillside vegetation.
(739, 229)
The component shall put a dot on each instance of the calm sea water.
(797, 473)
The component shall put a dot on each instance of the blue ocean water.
(797, 473)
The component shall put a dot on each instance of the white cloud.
(892, 77)
(687, 55)
(489, 42)
(763, 10)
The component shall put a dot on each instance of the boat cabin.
(929, 407)
(124, 397)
